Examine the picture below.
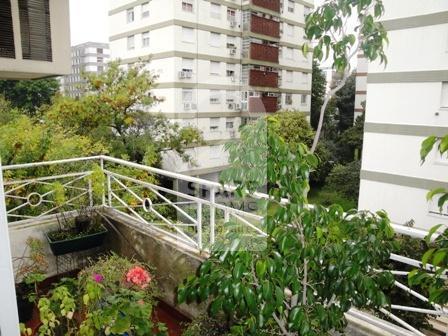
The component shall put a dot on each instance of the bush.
(327, 198)
(344, 179)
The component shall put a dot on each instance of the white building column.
(9, 320)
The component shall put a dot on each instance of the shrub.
(344, 179)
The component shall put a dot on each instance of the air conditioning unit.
(232, 79)
(231, 106)
(185, 74)
(232, 23)
(187, 106)
(193, 106)
(232, 51)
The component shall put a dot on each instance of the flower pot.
(77, 244)
(24, 306)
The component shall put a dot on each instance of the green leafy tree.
(437, 256)
(345, 180)
(318, 88)
(326, 28)
(345, 103)
(113, 111)
(313, 265)
(29, 95)
(352, 139)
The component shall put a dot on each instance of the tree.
(29, 95)
(326, 27)
(352, 139)
(318, 88)
(345, 103)
(345, 180)
(313, 265)
(113, 111)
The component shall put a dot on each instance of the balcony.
(263, 104)
(264, 52)
(263, 26)
(263, 78)
(273, 5)
(162, 223)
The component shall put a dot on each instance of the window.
(289, 30)
(289, 76)
(145, 10)
(291, 6)
(231, 41)
(187, 34)
(99, 50)
(145, 39)
(215, 39)
(289, 53)
(187, 95)
(303, 99)
(230, 70)
(130, 15)
(214, 124)
(215, 68)
(131, 42)
(35, 29)
(215, 97)
(444, 100)
(230, 96)
(231, 15)
(187, 6)
(230, 122)
(187, 64)
(304, 78)
(215, 10)
(100, 59)
(288, 99)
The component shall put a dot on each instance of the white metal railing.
(188, 209)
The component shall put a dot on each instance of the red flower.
(138, 276)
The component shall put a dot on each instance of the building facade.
(34, 43)
(89, 57)
(361, 85)
(406, 102)
(218, 63)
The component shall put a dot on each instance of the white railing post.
(90, 193)
(9, 320)
(199, 225)
(109, 191)
(226, 216)
(103, 196)
(212, 215)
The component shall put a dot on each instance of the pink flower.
(97, 278)
(138, 276)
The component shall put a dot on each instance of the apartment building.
(219, 64)
(34, 43)
(406, 102)
(361, 85)
(89, 57)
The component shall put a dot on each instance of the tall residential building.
(361, 85)
(34, 43)
(219, 63)
(89, 57)
(406, 102)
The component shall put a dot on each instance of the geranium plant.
(114, 296)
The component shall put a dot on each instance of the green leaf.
(238, 271)
(431, 232)
(427, 146)
(434, 192)
(427, 255)
(439, 256)
(260, 268)
(443, 146)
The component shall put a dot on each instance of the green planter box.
(77, 244)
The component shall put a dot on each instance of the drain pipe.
(9, 319)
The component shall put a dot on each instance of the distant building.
(220, 63)
(406, 102)
(361, 85)
(89, 57)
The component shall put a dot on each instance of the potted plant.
(82, 232)
(30, 270)
(114, 296)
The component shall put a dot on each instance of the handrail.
(398, 228)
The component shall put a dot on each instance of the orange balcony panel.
(264, 52)
(264, 104)
(263, 78)
(273, 5)
(263, 26)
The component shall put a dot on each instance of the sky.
(89, 20)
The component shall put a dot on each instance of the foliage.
(344, 179)
(326, 28)
(326, 197)
(31, 267)
(113, 110)
(317, 262)
(352, 139)
(438, 254)
(103, 300)
(29, 95)
(318, 88)
(345, 103)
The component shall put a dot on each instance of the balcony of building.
(261, 25)
(263, 52)
(263, 78)
(273, 5)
